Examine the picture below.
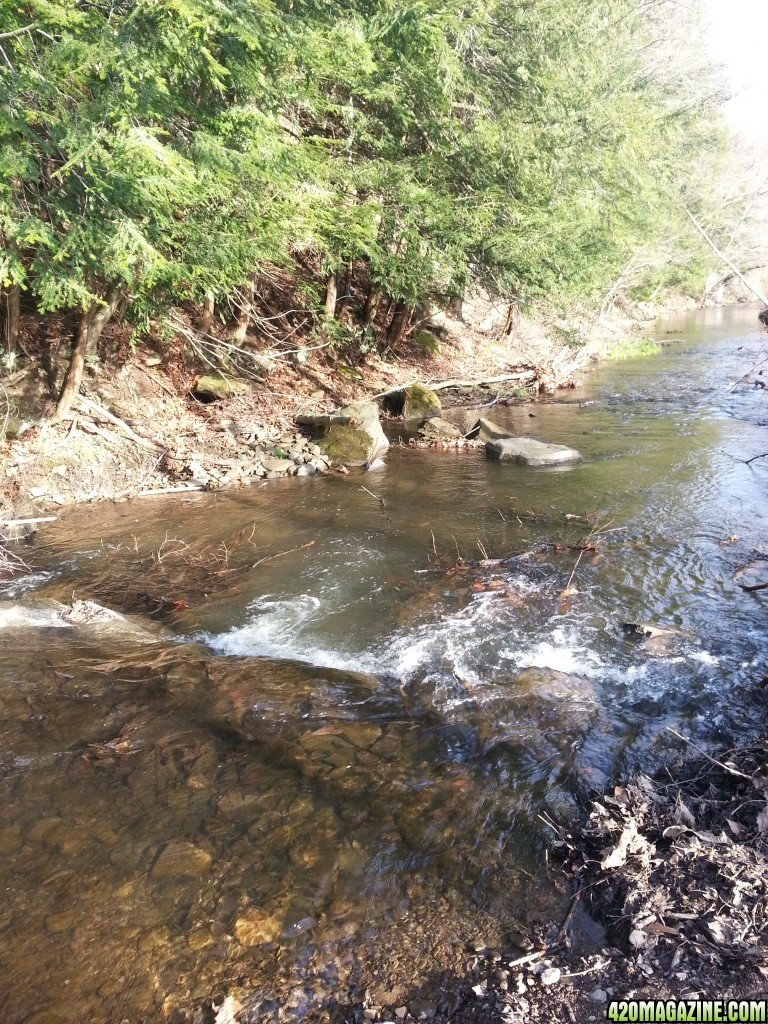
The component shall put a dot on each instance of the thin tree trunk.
(512, 320)
(345, 291)
(92, 323)
(206, 316)
(401, 321)
(331, 292)
(724, 258)
(371, 306)
(12, 312)
(238, 328)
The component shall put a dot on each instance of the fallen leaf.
(683, 815)
(674, 831)
(735, 827)
(638, 938)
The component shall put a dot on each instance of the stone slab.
(528, 452)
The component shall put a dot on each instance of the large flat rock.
(528, 452)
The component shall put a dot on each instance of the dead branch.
(290, 551)
(720, 255)
(101, 413)
(457, 383)
(28, 522)
(713, 760)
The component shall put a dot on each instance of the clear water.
(300, 777)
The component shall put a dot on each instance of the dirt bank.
(138, 426)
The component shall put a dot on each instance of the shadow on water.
(314, 762)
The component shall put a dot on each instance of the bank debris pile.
(677, 867)
(670, 877)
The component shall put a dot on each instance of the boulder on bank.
(435, 427)
(420, 404)
(528, 452)
(486, 430)
(212, 388)
(353, 435)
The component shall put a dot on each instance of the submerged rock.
(254, 927)
(87, 616)
(181, 858)
(420, 404)
(437, 427)
(353, 434)
(529, 452)
(486, 430)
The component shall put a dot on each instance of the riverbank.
(142, 426)
(670, 891)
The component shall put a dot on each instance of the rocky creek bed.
(347, 749)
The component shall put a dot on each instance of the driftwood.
(28, 522)
(443, 385)
(171, 490)
(100, 413)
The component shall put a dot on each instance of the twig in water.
(434, 546)
(751, 588)
(566, 592)
(527, 959)
(731, 771)
(380, 500)
(744, 462)
(290, 551)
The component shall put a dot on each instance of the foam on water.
(461, 652)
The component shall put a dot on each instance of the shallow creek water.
(300, 778)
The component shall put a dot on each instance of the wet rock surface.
(352, 435)
(529, 452)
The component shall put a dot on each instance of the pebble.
(61, 922)
(181, 858)
(599, 995)
(255, 927)
(551, 976)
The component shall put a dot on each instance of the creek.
(319, 757)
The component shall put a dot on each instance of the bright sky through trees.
(738, 30)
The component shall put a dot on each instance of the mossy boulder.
(420, 404)
(353, 435)
(439, 428)
(217, 387)
(426, 342)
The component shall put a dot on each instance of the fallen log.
(99, 412)
(443, 385)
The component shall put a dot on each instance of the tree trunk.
(238, 328)
(371, 306)
(206, 316)
(330, 298)
(512, 320)
(92, 323)
(401, 321)
(12, 309)
(345, 291)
